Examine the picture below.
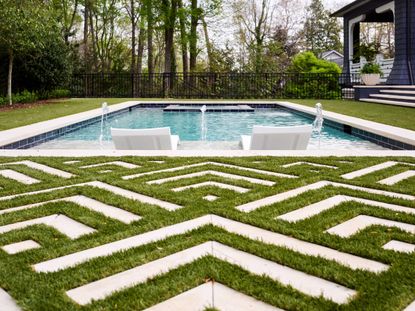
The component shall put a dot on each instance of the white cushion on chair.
(277, 138)
(144, 139)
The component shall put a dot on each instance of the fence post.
(132, 85)
(164, 85)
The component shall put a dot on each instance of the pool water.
(219, 126)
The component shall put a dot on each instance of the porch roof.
(355, 5)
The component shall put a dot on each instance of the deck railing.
(212, 85)
(386, 65)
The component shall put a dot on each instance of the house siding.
(400, 71)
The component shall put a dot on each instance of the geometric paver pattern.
(260, 233)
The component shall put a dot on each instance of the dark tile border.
(44, 137)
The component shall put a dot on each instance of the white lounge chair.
(144, 139)
(277, 138)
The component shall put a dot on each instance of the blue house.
(400, 71)
(400, 12)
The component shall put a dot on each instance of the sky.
(223, 29)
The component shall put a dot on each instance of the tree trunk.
(10, 75)
(85, 41)
(208, 44)
(133, 28)
(169, 22)
(94, 42)
(193, 35)
(140, 50)
(183, 39)
(150, 27)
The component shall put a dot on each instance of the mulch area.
(29, 105)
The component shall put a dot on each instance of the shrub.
(369, 68)
(24, 97)
(58, 93)
(307, 62)
(20, 98)
(315, 78)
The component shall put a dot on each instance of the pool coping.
(364, 127)
(79, 153)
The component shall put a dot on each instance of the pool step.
(209, 108)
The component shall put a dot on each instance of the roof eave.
(350, 7)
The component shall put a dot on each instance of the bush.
(369, 68)
(307, 62)
(20, 98)
(30, 97)
(315, 78)
(24, 97)
(54, 94)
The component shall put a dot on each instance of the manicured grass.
(37, 113)
(393, 289)
(392, 115)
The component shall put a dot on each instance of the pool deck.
(20, 133)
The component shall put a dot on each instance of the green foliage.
(307, 62)
(26, 96)
(21, 98)
(222, 60)
(54, 94)
(31, 37)
(368, 51)
(48, 67)
(318, 79)
(22, 24)
(321, 32)
(369, 68)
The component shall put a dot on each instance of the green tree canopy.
(307, 62)
(23, 28)
(321, 32)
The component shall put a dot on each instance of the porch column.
(400, 74)
(346, 61)
(351, 42)
(411, 9)
(355, 41)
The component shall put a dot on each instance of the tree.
(107, 45)
(24, 24)
(194, 20)
(307, 62)
(169, 10)
(182, 12)
(66, 11)
(321, 32)
(150, 31)
(266, 42)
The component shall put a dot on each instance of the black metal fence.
(214, 85)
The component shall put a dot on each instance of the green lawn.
(37, 113)
(393, 289)
(397, 116)
(392, 115)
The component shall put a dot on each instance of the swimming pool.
(223, 129)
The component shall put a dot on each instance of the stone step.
(410, 87)
(398, 92)
(393, 97)
(388, 102)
